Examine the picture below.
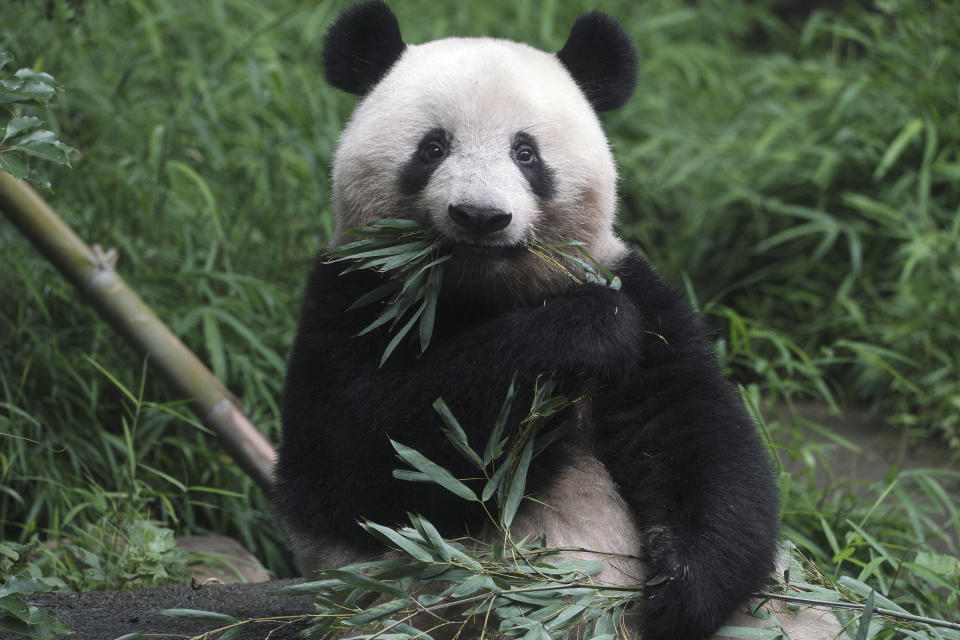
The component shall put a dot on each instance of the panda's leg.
(583, 509)
(313, 554)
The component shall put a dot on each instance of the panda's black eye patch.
(416, 171)
(526, 154)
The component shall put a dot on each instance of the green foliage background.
(798, 172)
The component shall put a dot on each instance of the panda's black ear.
(361, 46)
(602, 58)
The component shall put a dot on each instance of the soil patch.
(105, 615)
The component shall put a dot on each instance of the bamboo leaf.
(199, 614)
(749, 633)
(518, 482)
(391, 536)
(392, 312)
(436, 473)
(378, 612)
(366, 582)
(392, 249)
(385, 290)
(432, 294)
(411, 476)
(455, 433)
(446, 550)
(494, 448)
(308, 588)
(494, 482)
(401, 334)
(865, 618)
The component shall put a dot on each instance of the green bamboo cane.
(91, 271)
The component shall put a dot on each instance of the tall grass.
(799, 174)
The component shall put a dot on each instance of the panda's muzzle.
(479, 221)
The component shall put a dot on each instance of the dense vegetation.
(797, 172)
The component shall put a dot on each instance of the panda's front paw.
(661, 555)
(597, 329)
(679, 602)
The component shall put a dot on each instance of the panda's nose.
(477, 220)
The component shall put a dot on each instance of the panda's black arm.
(689, 462)
(340, 407)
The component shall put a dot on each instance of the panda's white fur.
(482, 91)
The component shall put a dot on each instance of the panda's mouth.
(467, 250)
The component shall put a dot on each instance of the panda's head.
(491, 142)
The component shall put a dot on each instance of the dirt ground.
(105, 615)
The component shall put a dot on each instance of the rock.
(225, 560)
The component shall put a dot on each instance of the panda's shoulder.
(642, 283)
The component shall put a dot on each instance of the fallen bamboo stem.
(91, 271)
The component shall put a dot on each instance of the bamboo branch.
(91, 271)
(845, 604)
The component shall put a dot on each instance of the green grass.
(799, 175)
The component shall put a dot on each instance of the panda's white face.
(488, 141)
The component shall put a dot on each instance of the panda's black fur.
(670, 431)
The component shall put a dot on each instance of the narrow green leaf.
(391, 312)
(518, 482)
(437, 473)
(432, 295)
(401, 334)
(308, 588)
(472, 585)
(391, 250)
(494, 482)
(571, 612)
(378, 612)
(446, 550)
(387, 289)
(231, 634)
(398, 223)
(865, 618)
(908, 133)
(749, 633)
(198, 614)
(494, 448)
(411, 476)
(391, 536)
(455, 433)
(366, 582)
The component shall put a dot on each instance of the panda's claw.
(657, 580)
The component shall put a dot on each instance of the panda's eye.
(433, 151)
(525, 155)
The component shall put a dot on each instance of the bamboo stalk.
(91, 271)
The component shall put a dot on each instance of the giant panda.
(494, 143)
